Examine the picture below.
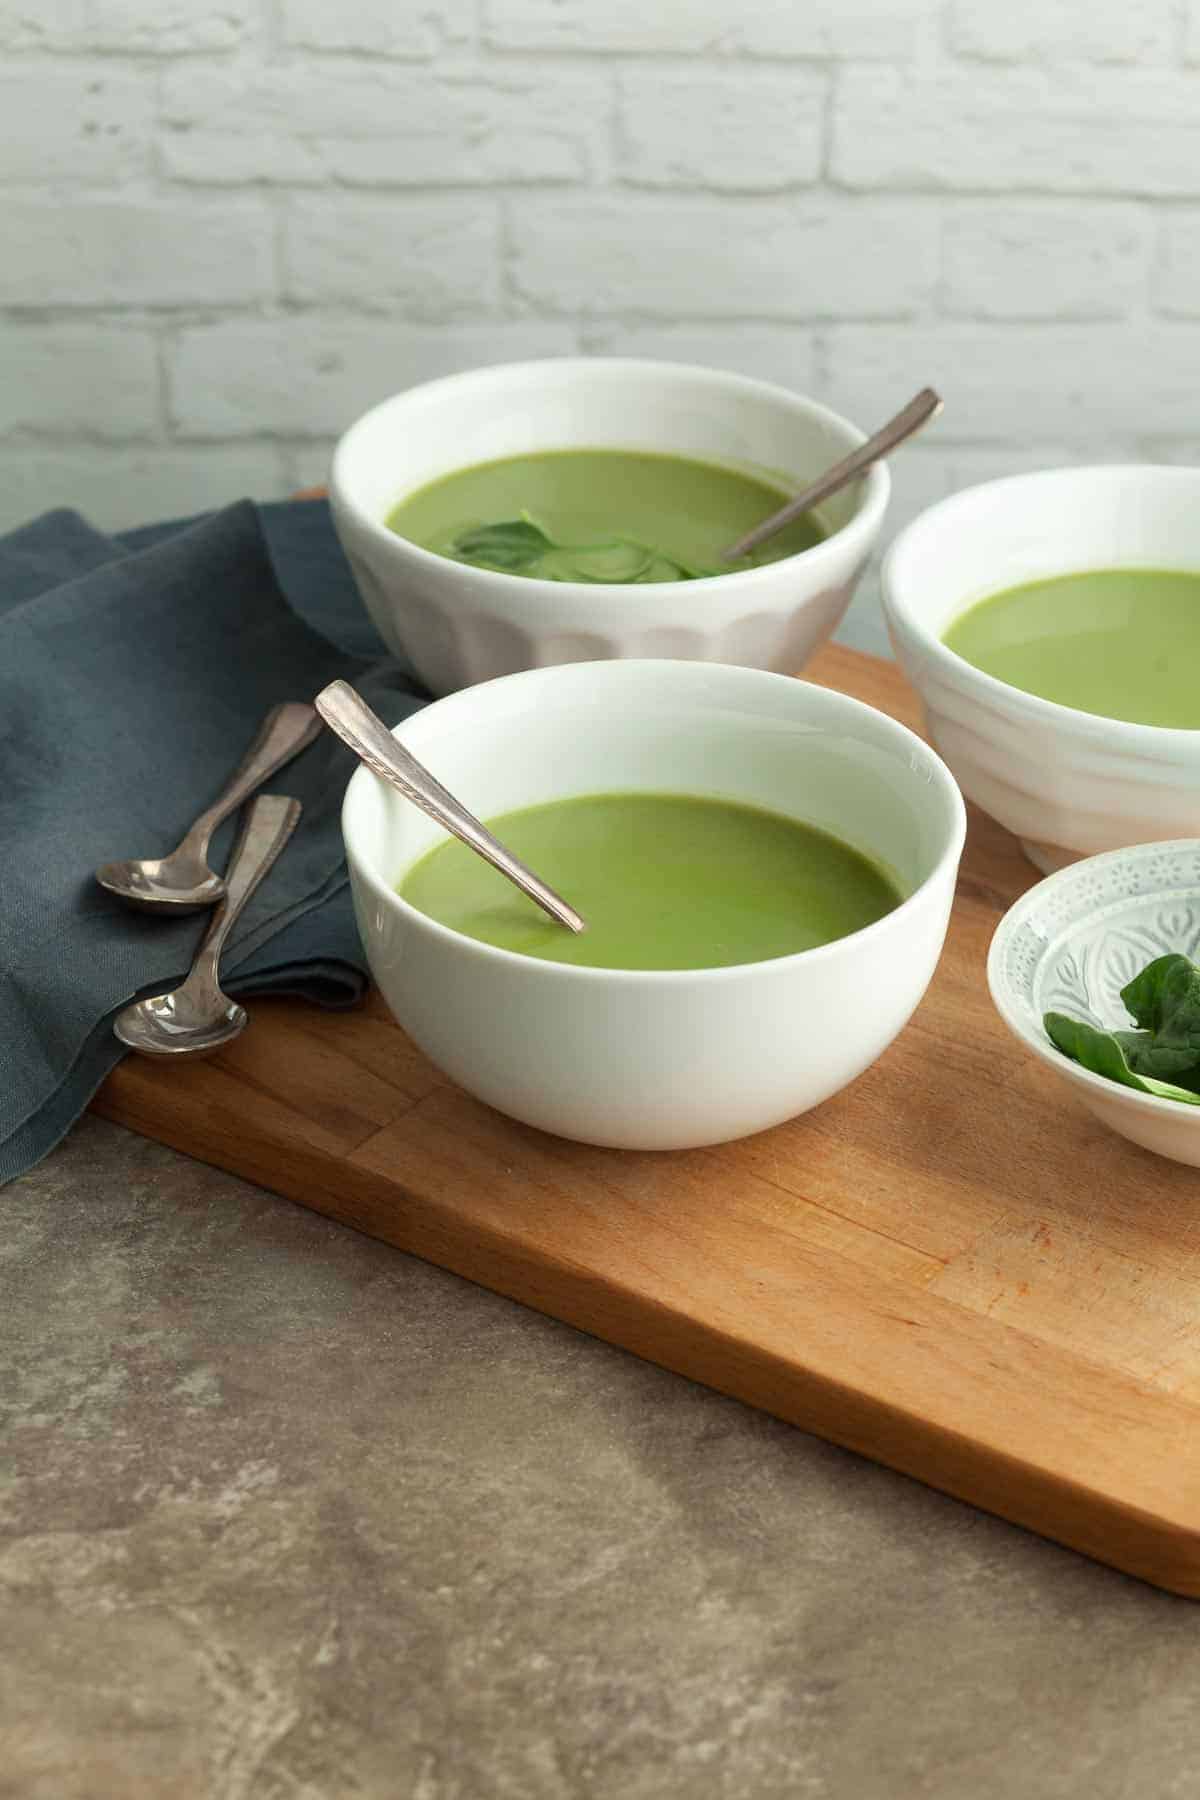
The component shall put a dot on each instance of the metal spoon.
(348, 714)
(921, 408)
(196, 1017)
(183, 880)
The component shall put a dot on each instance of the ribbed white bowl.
(459, 625)
(1067, 783)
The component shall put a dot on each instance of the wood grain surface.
(950, 1267)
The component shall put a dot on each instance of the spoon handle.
(921, 408)
(285, 731)
(348, 714)
(269, 823)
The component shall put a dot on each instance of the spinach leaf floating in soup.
(1163, 1055)
(521, 547)
(619, 516)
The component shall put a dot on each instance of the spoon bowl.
(171, 1024)
(197, 1017)
(181, 882)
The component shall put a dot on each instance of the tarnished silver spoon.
(348, 714)
(183, 881)
(196, 1018)
(921, 408)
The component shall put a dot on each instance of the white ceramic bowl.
(1067, 783)
(457, 624)
(1073, 942)
(660, 1059)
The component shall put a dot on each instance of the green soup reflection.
(665, 881)
(597, 515)
(1124, 643)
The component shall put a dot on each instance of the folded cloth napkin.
(134, 671)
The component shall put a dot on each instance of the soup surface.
(598, 515)
(665, 881)
(1124, 643)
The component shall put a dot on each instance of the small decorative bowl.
(1067, 783)
(1073, 942)
(458, 624)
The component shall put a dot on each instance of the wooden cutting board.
(950, 1267)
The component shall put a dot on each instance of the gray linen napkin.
(133, 673)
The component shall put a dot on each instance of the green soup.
(598, 515)
(1121, 642)
(665, 881)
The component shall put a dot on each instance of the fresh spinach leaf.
(521, 546)
(1164, 1001)
(1106, 1053)
(511, 545)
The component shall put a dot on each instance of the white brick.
(429, 255)
(117, 252)
(119, 488)
(919, 479)
(380, 26)
(385, 125)
(972, 467)
(1026, 130)
(143, 26)
(1031, 262)
(69, 125)
(780, 353)
(745, 131)
(307, 465)
(715, 259)
(98, 381)
(1071, 383)
(302, 378)
(863, 626)
(1084, 30)
(1182, 451)
(858, 28)
(1175, 283)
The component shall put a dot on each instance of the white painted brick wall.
(227, 225)
(749, 130)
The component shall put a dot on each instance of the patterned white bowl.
(1073, 942)
(458, 624)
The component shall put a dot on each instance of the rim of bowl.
(950, 853)
(1168, 737)
(1033, 1036)
(863, 523)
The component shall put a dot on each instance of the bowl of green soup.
(765, 868)
(1051, 624)
(577, 509)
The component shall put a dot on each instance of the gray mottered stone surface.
(286, 1515)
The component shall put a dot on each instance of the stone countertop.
(287, 1515)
